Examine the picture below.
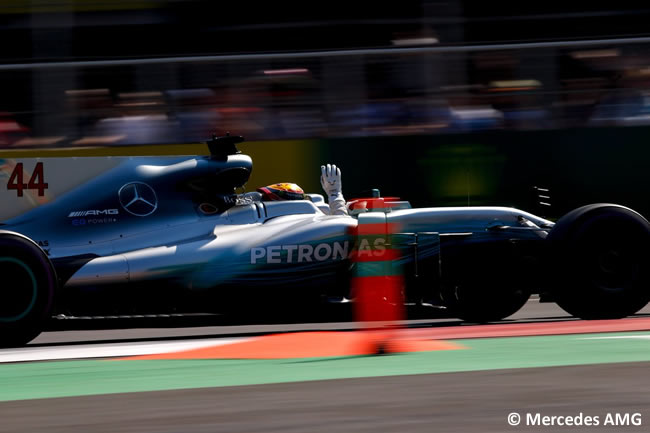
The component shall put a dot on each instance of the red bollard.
(378, 284)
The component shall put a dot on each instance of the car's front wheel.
(601, 261)
(486, 281)
(479, 302)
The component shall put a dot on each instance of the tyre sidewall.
(586, 290)
(20, 329)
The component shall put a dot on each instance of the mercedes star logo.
(138, 198)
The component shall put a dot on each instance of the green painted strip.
(74, 378)
(377, 269)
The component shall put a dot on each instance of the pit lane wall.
(578, 166)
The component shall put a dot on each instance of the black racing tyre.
(487, 284)
(27, 290)
(601, 262)
(486, 281)
(479, 302)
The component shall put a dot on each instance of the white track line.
(625, 337)
(107, 350)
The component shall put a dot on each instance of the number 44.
(36, 181)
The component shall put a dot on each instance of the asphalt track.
(451, 402)
(465, 401)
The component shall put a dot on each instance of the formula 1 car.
(171, 235)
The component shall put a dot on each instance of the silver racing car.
(156, 235)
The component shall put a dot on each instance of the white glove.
(330, 179)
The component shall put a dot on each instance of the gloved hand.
(330, 179)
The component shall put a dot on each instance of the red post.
(378, 283)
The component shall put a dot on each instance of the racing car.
(155, 235)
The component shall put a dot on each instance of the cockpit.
(249, 207)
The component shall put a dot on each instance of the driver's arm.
(330, 180)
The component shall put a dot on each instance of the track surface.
(452, 402)
(470, 401)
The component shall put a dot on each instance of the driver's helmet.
(282, 191)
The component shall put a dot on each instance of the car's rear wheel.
(27, 286)
(601, 261)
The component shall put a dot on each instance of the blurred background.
(463, 78)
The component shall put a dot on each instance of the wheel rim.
(17, 300)
(615, 269)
